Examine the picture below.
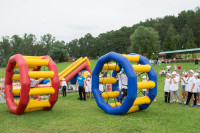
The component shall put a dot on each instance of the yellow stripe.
(36, 74)
(113, 94)
(141, 68)
(36, 104)
(35, 91)
(137, 68)
(110, 67)
(145, 85)
(138, 101)
(32, 57)
(107, 80)
(37, 62)
(133, 58)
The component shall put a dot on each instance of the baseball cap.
(173, 72)
(191, 71)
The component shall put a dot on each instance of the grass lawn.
(71, 115)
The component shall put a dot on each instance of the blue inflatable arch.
(131, 103)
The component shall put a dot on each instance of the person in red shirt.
(179, 68)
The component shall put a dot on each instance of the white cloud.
(70, 19)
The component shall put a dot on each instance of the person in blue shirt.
(81, 86)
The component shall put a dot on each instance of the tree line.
(147, 38)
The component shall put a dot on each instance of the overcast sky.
(70, 19)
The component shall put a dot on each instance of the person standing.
(124, 82)
(174, 87)
(183, 85)
(89, 85)
(166, 88)
(81, 86)
(2, 84)
(64, 87)
(179, 69)
(192, 89)
(168, 68)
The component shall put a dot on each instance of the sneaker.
(194, 105)
(174, 100)
(185, 105)
(177, 101)
(185, 102)
(198, 104)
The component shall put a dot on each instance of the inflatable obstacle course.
(24, 64)
(131, 103)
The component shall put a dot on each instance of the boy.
(192, 89)
(166, 88)
(81, 86)
(124, 82)
(64, 87)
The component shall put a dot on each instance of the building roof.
(180, 51)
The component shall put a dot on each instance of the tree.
(144, 41)
(57, 51)
(169, 43)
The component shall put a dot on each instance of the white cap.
(89, 74)
(173, 72)
(63, 79)
(191, 71)
(144, 77)
(196, 74)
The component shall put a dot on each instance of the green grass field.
(71, 115)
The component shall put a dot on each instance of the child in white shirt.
(89, 85)
(144, 90)
(166, 88)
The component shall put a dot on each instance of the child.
(166, 88)
(101, 87)
(174, 87)
(175, 67)
(179, 68)
(191, 88)
(197, 85)
(124, 82)
(2, 84)
(168, 68)
(64, 87)
(183, 85)
(144, 90)
(108, 86)
(89, 85)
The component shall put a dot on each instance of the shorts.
(86, 89)
(144, 92)
(183, 86)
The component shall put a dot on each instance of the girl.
(144, 90)
(89, 85)
(183, 85)
(108, 86)
(166, 88)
